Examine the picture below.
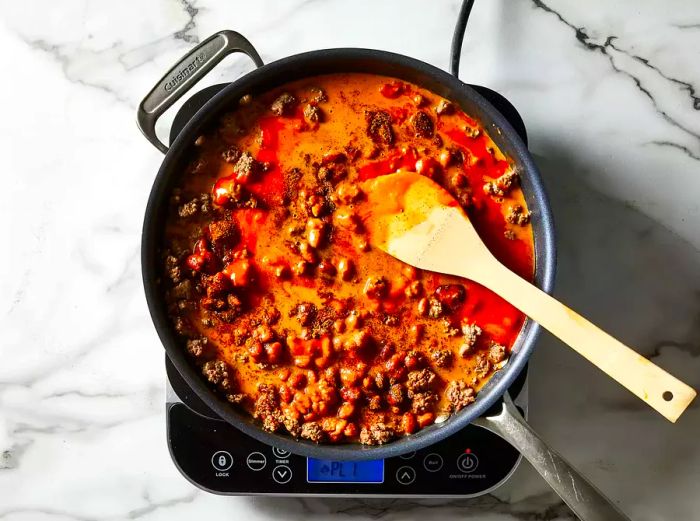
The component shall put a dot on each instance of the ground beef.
(291, 422)
(196, 347)
(396, 394)
(374, 403)
(216, 372)
(305, 312)
(471, 335)
(235, 397)
(312, 113)
(231, 154)
(483, 366)
(284, 105)
(224, 234)
(188, 209)
(267, 408)
(435, 308)
(501, 186)
(172, 268)
(376, 287)
(442, 357)
(444, 107)
(420, 380)
(376, 434)
(423, 402)
(312, 431)
(182, 291)
(246, 166)
(518, 215)
(318, 95)
(459, 394)
(422, 124)
(497, 353)
(379, 127)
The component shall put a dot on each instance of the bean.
(297, 381)
(274, 352)
(346, 410)
(408, 423)
(425, 419)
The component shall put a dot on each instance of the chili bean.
(256, 350)
(274, 352)
(425, 419)
(302, 361)
(301, 268)
(348, 376)
(315, 232)
(346, 268)
(283, 374)
(297, 381)
(350, 430)
(286, 393)
(451, 295)
(263, 333)
(416, 333)
(350, 394)
(326, 269)
(408, 423)
(346, 410)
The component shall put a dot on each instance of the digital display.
(325, 471)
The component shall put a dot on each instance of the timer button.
(282, 474)
(432, 462)
(405, 475)
(256, 461)
(467, 462)
(222, 460)
(280, 453)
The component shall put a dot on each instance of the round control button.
(256, 461)
(280, 453)
(282, 474)
(432, 462)
(222, 460)
(406, 475)
(467, 462)
(408, 455)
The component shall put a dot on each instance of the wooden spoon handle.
(662, 391)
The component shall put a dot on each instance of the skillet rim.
(396, 65)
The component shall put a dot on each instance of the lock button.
(222, 460)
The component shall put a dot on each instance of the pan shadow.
(636, 279)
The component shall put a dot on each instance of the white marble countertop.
(609, 92)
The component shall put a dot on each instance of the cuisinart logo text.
(184, 73)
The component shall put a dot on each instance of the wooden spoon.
(415, 220)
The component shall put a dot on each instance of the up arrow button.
(405, 475)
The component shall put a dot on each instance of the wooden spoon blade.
(415, 220)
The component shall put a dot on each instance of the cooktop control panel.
(221, 459)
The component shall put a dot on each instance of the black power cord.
(458, 36)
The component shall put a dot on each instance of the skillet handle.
(185, 74)
(586, 501)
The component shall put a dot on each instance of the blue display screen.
(325, 471)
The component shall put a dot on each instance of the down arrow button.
(282, 474)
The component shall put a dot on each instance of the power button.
(467, 462)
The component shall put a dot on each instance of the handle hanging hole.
(668, 396)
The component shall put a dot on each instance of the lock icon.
(222, 460)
